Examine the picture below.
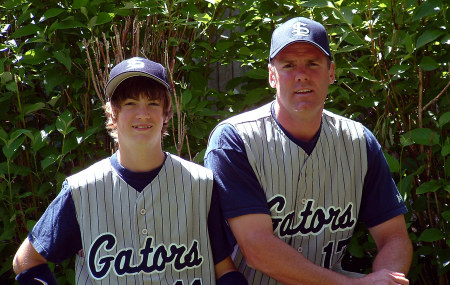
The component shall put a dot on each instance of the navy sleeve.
(239, 190)
(56, 236)
(381, 200)
(220, 235)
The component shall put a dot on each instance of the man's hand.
(383, 277)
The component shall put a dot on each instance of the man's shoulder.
(333, 117)
(250, 116)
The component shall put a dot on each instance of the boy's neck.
(140, 161)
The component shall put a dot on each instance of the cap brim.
(112, 84)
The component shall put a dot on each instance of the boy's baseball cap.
(136, 66)
(299, 29)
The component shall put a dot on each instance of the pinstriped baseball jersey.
(314, 199)
(157, 236)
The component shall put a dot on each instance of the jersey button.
(143, 211)
(144, 231)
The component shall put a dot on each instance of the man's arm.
(267, 253)
(393, 244)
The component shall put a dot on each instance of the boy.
(142, 215)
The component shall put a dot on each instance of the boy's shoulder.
(187, 165)
(96, 171)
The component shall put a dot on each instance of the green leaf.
(428, 64)
(50, 13)
(77, 4)
(257, 73)
(35, 56)
(49, 160)
(393, 163)
(430, 235)
(427, 187)
(17, 133)
(186, 97)
(67, 24)
(347, 49)
(26, 31)
(224, 45)
(104, 18)
(10, 149)
(63, 123)
(427, 8)
(446, 215)
(202, 17)
(399, 69)
(30, 224)
(422, 136)
(63, 56)
(362, 73)
(427, 37)
(445, 149)
(317, 4)
(69, 145)
(30, 108)
(444, 119)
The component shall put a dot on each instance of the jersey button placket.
(143, 212)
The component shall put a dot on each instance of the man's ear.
(272, 76)
(332, 73)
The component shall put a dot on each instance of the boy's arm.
(31, 267)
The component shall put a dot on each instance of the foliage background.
(392, 59)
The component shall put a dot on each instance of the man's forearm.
(396, 255)
(287, 265)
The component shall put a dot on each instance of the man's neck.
(303, 129)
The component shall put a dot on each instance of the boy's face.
(140, 121)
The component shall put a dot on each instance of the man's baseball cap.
(299, 30)
(136, 66)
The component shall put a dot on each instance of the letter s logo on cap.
(135, 63)
(300, 29)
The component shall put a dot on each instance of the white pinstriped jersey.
(314, 199)
(157, 236)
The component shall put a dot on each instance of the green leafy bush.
(392, 75)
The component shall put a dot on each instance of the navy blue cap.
(299, 30)
(136, 66)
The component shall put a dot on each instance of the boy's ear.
(111, 111)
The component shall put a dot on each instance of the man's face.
(301, 75)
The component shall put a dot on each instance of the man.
(295, 178)
(141, 216)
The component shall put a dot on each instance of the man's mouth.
(142, 127)
(303, 91)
